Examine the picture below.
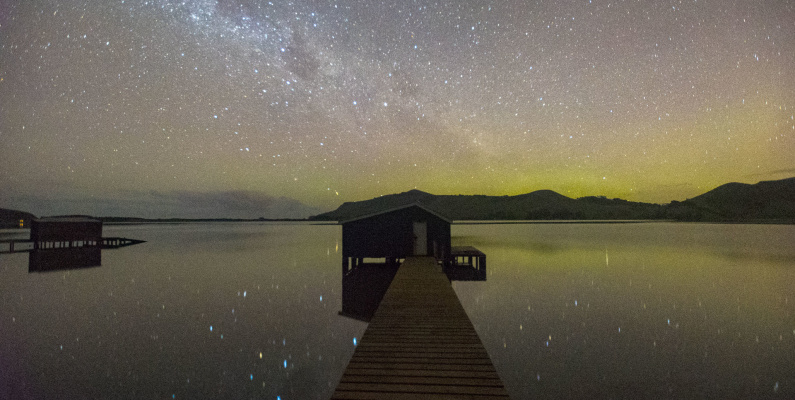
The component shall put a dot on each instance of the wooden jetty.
(26, 245)
(420, 344)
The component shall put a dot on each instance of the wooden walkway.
(27, 245)
(420, 344)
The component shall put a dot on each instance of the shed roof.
(384, 211)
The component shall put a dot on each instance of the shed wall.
(392, 235)
(65, 230)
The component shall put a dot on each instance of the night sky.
(254, 108)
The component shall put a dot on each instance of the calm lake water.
(252, 311)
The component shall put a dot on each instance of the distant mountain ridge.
(763, 201)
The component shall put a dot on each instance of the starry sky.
(248, 108)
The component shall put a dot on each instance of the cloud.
(175, 204)
(786, 171)
(237, 204)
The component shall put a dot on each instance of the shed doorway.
(420, 238)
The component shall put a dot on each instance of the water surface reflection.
(636, 310)
(200, 311)
(252, 311)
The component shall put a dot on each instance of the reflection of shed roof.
(415, 204)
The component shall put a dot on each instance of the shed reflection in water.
(64, 259)
(363, 287)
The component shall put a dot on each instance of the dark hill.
(743, 202)
(358, 208)
(542, 204)
(11, 218)
(764, 201)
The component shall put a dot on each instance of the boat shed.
(392, 234)
(65, 232)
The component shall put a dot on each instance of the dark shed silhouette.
(392, 234)
(65, 232)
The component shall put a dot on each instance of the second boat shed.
(395, 233)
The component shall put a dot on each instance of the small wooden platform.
(469, 256)
(420, 344)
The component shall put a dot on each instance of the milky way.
(320, 101)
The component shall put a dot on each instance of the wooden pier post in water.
(420, 344)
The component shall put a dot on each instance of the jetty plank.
(420, 343)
